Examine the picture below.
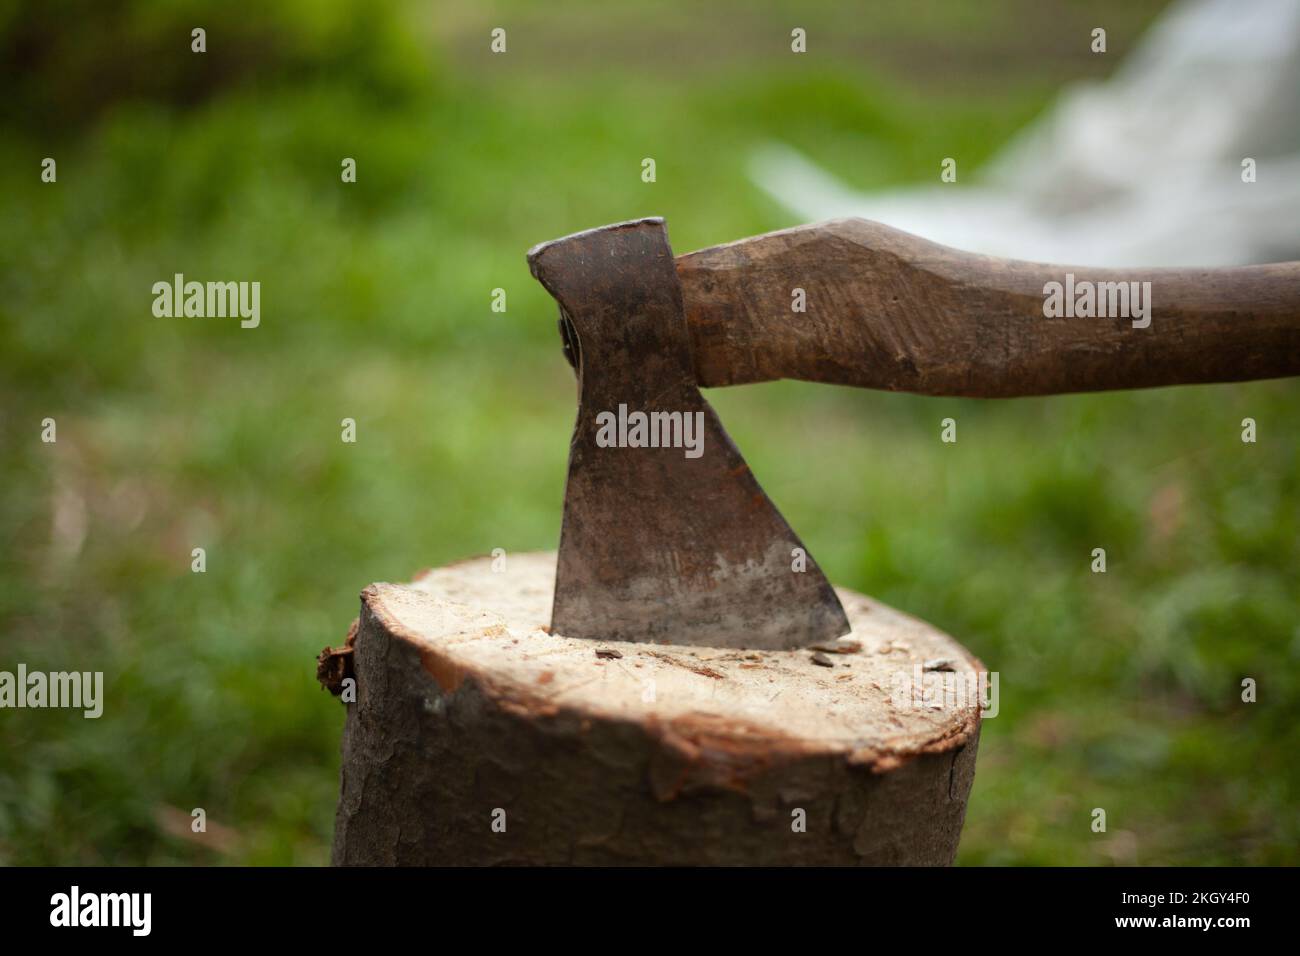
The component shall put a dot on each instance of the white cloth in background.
(1141, 170)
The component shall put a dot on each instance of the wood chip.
(677, 662)
(842, 646)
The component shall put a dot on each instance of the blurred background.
(1118, 690)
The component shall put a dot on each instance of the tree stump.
(477, 737)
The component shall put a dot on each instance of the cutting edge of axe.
(659, 546)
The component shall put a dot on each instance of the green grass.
(1118, 691)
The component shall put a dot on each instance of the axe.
(667, 535)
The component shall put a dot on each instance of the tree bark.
(478, 738)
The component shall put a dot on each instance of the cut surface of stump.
(477, 737)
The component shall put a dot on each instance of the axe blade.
(667, 536)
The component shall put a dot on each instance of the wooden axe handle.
(886, 309)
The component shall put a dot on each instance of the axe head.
(667, 536)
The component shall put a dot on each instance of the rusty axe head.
(667, 536)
